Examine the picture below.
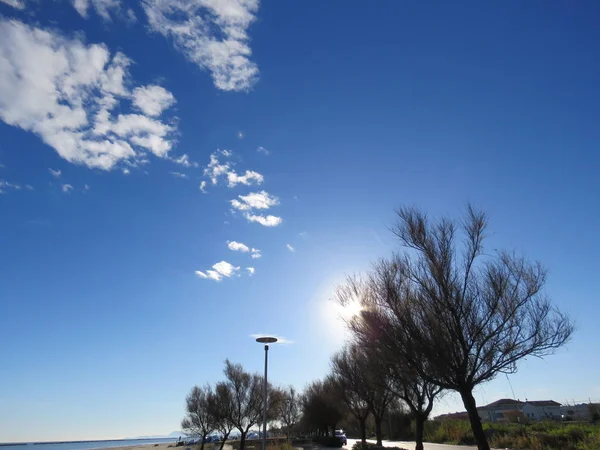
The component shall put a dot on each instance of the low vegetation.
(370, 446)
(537, 436)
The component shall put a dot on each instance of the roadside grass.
(536, 436)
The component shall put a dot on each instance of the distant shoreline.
(92, 441)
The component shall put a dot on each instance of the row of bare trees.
(237, 403)
(443, 315)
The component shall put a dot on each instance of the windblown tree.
(419, 395)
(321, 410)
(246, 392)
(290, 409)
(456, 315)
(221, 407)
(199, 420)
(381, 392)
(351, 377)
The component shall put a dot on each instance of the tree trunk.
(242, 440)
(419, 428)
(476, 426)
(378, 431)
(225, 436)
(203, 439)
(363, 432)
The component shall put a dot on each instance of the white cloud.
(203, 187)
(290, 248)
(255, 200)
(219, 270)
(178, 174)
(240, 135)
(126, 171)
(212, 34)
(5, 185)
(250, 270)
(86, 187)
(267, 221)
(238, 246)
(64, 91)
(250, 177)
(184, 160)
(263, 150)
(29, 187)
(216, 170)
(19, 4)
(55, 173)
(66, 188)
(152, 100)
(102, 7)
(255, 253)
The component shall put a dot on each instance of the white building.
(541, 410)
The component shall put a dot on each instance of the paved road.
(411, 445)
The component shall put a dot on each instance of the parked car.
(252, 435)
(342, 436)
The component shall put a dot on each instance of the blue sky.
(117, 285)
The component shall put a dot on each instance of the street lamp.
(265, 340)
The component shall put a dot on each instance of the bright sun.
(349, 311)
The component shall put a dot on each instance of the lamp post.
(265, 340)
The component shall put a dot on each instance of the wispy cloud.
(267, 221)
(5, 186)
(255, 200)
(178, 174)
(250, 270)
(211, 33)
(219, 271)
(256, 253)
(126, 171)
(19, 4)
(103, 8)
(202, 187)
(280, 339)
(216, 169)
(240, 135)
(66, 188)
(69, 96)
(184, 160)
(263, 150)
(250, 177)
(290, 248)
(238, 246)
(55, 173)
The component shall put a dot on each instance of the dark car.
(342, 436)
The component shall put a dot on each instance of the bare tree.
(246, 392)
(419, 395)
(350, 375)
(320, 408)
(455, 315)
(221, 407)
(290, 409)
(380, 387)
(199, 420)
